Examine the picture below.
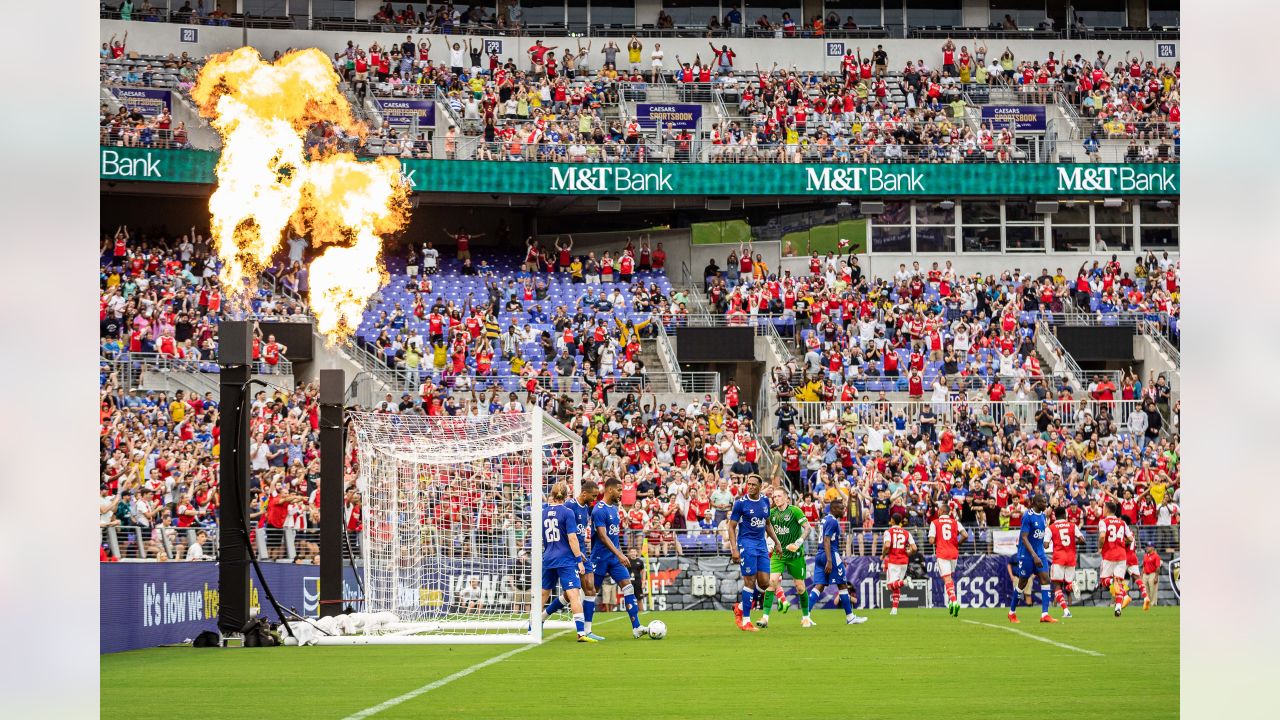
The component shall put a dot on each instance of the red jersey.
(945, 533)
(1113, 538)
(897, 540)
(1063, 534)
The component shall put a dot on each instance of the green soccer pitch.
(919, 663)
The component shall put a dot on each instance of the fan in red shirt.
(1064, 535)
(1114, 537)
(946, 533)
(898, 547)
(1135, 571)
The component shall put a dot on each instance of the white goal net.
(448, 547)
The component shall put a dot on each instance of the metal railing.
(1159, 333)
(129, 367)
(136, 542)
(409, 381)
(860, 414)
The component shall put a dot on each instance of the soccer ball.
(657, 630)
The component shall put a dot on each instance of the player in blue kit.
(562, 558)
(1032, 559)
(748, 547)
(828, 567)
(606, 552)
(581, 507)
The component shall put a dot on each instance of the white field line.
(456, 676)
(1055, 643)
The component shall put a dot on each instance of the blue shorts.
(754, 560)
(612, 567)
(822, 577)
(588, 566)
(566, 576)
(1025, 566)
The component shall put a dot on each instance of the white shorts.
(1063, 573)
(894, 573)
(944, 566)
(1134, 570)
(1112, 569)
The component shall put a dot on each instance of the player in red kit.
(1114, 537)
(898, 547)
(946, 533)
(1065, 536)
(1134, 569)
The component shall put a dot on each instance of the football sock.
(588, 609)
(579, 624)
(556, 604)
(757, 597)
(633, 608)
(1044, 600)
(814, 596)
(768, 603)
(1061, 599)
(897, 593)
(782, 597)
(1142, 588)
(748, 594)
(1013, 604)
(803, 597)
(951, 588)
(845, 603)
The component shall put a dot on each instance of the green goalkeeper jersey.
(789, 526)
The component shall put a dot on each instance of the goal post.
(452, 506)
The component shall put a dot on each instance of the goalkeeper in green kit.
(791, 527)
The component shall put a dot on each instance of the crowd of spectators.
(681, 467)
(160, 299)
(606, 306)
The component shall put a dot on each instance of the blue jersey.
(606, 516)
(830, 529)
(1034, 527)
(752, 517)
(582, 523)
(557, 523)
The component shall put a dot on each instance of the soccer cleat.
(737, 614)
(749, 627)
(806, 622)
(762, 623)
(784, 605)
(1047, 618)
(1013, 618)
(1146, 603)
(1125, 600)
(1066, 613)
(587, 639)
(893, 611)
(640, 631)
(855, 620)
(594, 637)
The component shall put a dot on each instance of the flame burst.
(268, 179)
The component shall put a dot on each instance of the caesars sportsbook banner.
(145, 101)
(534, 178)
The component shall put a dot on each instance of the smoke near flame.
(269, 180)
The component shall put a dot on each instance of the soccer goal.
(450, 546)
